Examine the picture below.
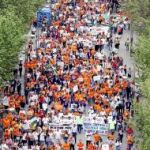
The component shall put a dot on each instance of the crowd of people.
(74, 72)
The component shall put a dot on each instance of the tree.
(24, 9)
(141, 123)
(142, 54)
(139, 11)
(14, 17)
(10, 40)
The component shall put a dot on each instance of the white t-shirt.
(45, 120)
(44, 106)
(42, 137)
(58, 135)
(4, 147)
(88, 137)
(35, 134)
(25, 147)
(5, 101)
(35, 147)
(74, 129)
(26, 125)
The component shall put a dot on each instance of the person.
(20, 68)
(72, 143)
(42, 138)
(67, 68)
(128, 105)
(5, 101)
(97, 138)
(128, 91)
(88, 138)
(117, 145)
(111, 137)
(130, 141)
(19, 87)
(14, 85)
(79, 123)
(15, 72)
(129, 73)
(120, 135)
(58, 146)
(80, 145)
(110, 43)
(112, 125)
(117, 42)
(66, 146)
(91, 146)
(127, 44)
(129, 130)
(48, 140)
(4, 146)
(65, 136)
(74, 132)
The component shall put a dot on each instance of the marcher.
(72, 143)
(80, 145)
(20, 68)
(72, 83)
(97, 139)
(127, 44)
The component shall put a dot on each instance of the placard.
(105, 147)
(97, 78)
(75, 88)
(56, 127)
(100, 128)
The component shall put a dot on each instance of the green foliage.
(24, 9)
(139, 11)
(10, 39)
(14, 17)
(142, 54)
(141, 124)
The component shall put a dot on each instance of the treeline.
(139, 10)
(15, 16)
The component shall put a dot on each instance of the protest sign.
(105, 147)
(98, 120)
(100, 128)
(75, 88)
(97, 78)
(56, 127)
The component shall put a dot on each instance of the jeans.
(130, 146)
(117, 148)
(72, 147)
(79, 128)
(74, 134)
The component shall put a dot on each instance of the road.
(129, 61)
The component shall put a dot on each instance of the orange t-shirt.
(10, 116)
(80, 146)
(130, 139)
(7, 133)
(111, 137)
(16, 132)
(6, 123)
(97, 137)
(66, 146)
(90, 147)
